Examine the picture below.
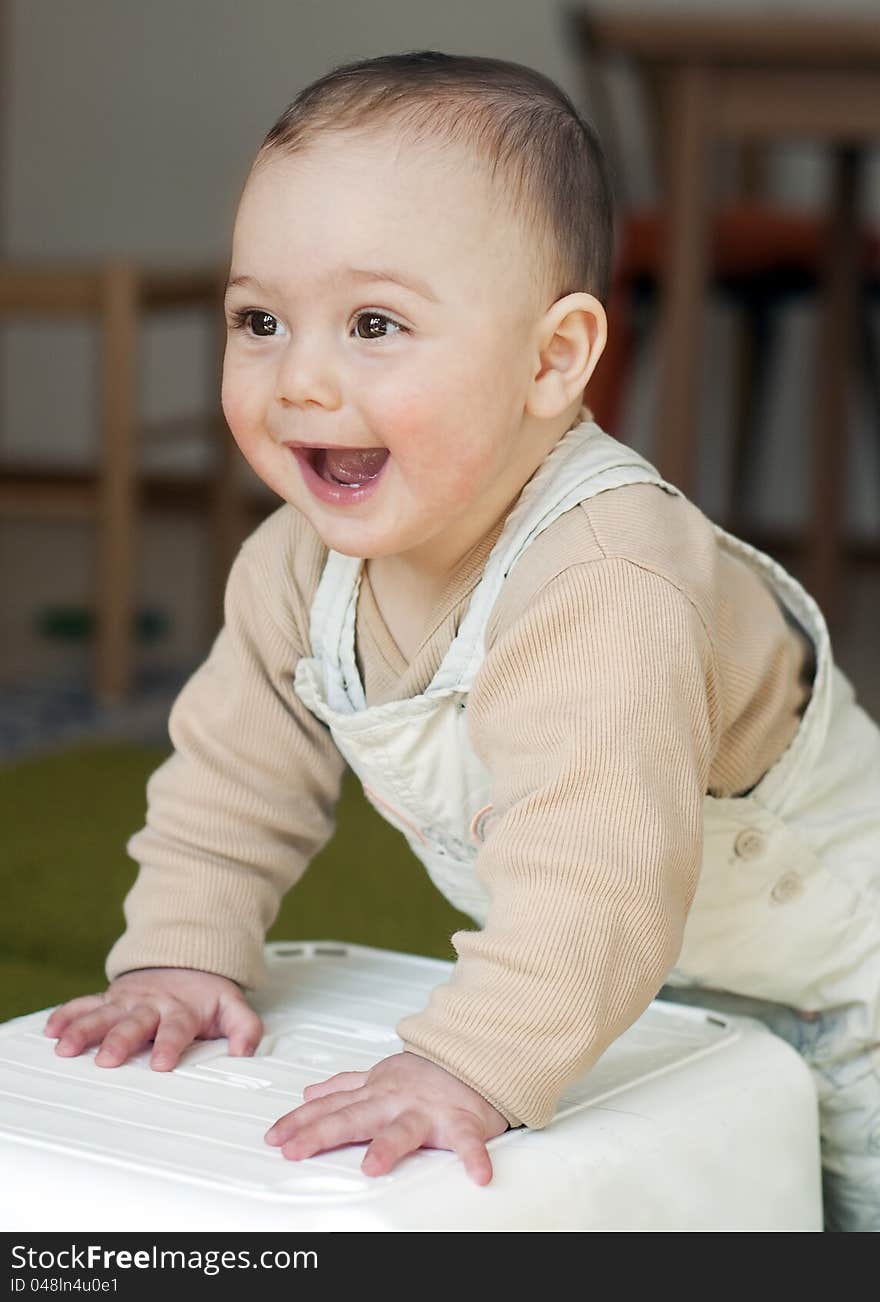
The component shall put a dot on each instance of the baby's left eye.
(373, 325)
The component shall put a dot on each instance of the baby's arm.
(597, 711)
(248, 797)
(234, 816)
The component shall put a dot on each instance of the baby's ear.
(571, 338)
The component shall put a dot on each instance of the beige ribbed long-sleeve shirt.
(631, 667)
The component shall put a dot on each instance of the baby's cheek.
(422, 429)
(243, 417)
(400, 418)
(437, 467)
(234, 403)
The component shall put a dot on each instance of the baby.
(613, 733)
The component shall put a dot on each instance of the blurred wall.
(129, 128)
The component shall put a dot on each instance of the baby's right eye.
(262, 324)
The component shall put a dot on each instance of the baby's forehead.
(463, 175)
(438, 188)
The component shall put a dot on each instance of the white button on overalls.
(749, 844)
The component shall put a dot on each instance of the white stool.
(691, 1121)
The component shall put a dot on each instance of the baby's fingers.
(132, 1032)
(343, 1080)
(242, 1027)
(64, 1014)
(403, 1135)
(174, 1034)
(470, 1146)
(87, 1029)
(307, 1114)
(349, 1124)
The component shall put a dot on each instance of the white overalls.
(788, 904)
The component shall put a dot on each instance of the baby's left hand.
(405, 1102)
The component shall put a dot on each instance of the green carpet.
(64, 873)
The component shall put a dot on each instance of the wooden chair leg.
(754, 345)
(116, 508)
(870, 356)
(684, 274)
(837, 347)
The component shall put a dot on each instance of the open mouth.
(347, 467)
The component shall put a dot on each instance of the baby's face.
(387, 305)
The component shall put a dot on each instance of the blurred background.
(744, 361)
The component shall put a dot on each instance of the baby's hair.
(513, 117)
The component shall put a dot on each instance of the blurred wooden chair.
(116, 295)
(760, 255)
(761, 259)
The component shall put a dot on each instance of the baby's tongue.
(355, 465)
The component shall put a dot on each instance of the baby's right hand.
(170, 1006)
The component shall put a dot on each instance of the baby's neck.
(422, 579)
(411, 603)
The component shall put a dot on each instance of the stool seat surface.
(690, 1120)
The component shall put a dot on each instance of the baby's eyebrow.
(396, 277)
(381, 274)
(244, 280)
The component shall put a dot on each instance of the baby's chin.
(375, 551)
(335, 540)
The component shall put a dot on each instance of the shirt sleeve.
(595, 712)
(244, 802)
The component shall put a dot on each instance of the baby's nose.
(307, 376)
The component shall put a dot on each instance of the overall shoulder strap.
(331, 625)
(584, 462)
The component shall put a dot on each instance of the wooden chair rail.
(79, 290)
(796, 39)
(114, 295)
